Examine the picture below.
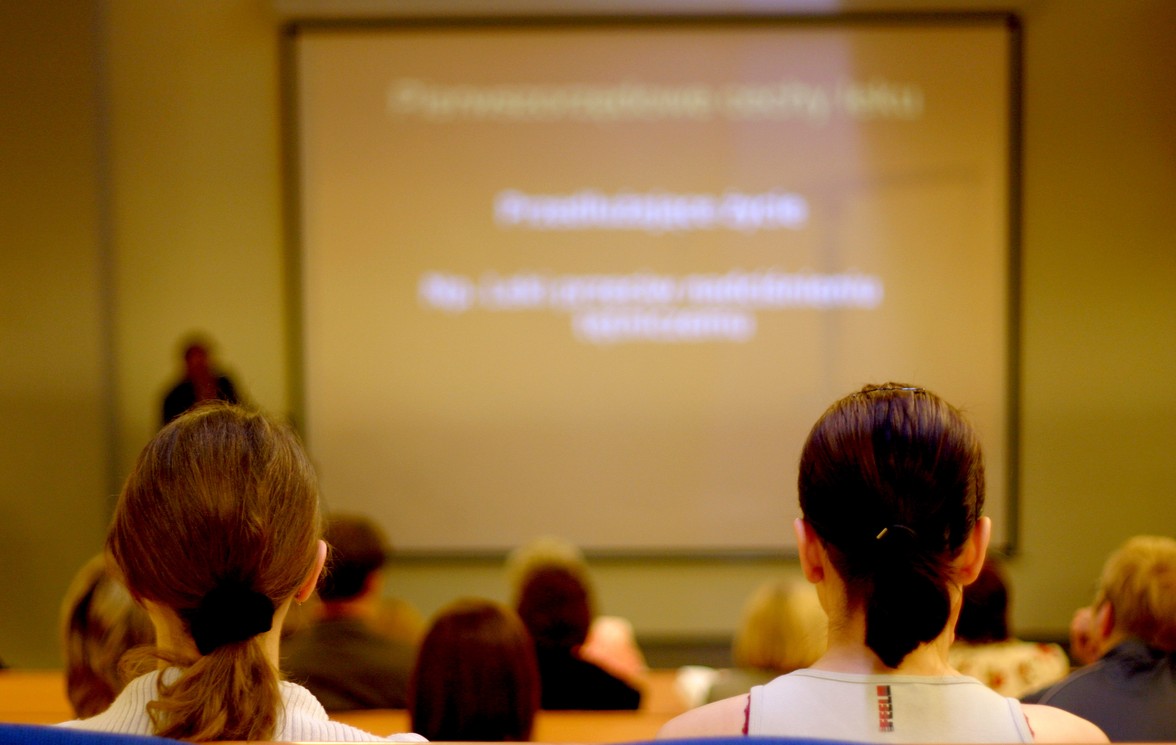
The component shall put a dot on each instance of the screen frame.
(292, 205)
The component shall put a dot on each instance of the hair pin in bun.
(897, 527)
(890, 389)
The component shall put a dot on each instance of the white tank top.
(885, 709)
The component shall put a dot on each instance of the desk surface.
(38, 697)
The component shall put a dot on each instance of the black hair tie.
(232, 612)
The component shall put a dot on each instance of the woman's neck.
(848, 653)
(853, 656)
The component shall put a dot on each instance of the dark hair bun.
(905, 609)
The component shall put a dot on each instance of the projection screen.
(597, 279)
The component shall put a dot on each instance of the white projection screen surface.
(597, 280)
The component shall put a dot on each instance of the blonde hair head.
(100, 623)
(218, 523)
(545, 552)
(1139, 581)
(783, 628)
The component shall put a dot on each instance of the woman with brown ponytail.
(891, 491)
(216, 533)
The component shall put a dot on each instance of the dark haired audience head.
(475, 677)
(216, 532)
(358, 549)
(100, 622)
(342, 655)
(555, 607)
(984, 616)
(892, 483)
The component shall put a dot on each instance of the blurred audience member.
(396, 619)
(100, 622)
(556, 610)
(201, 381)
(399, 620)
(217, 532)
(610, 643)
(783, 629)
(475, 677)
(1130, 690)
(340, 656)
(1084, 647)
(985, 649)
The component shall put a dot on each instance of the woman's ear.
(811, 551)
(312, 578)
(971, 559)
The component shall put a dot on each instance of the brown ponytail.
(230, 694)
(218, 523)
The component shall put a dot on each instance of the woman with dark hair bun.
(891, 491)
(217, 531)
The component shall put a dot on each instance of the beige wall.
(54, 493)
(94, 298)
(1099, 424)
(196, 187)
